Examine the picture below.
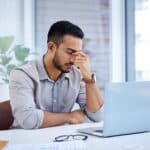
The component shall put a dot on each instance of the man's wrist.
(68, 117)
(91, 79)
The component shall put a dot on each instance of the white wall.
(10, 19)
(4, 92)
(17, 19)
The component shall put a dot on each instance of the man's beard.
(60, 67)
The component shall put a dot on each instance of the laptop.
(126, 109)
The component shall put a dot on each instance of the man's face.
(66, 53)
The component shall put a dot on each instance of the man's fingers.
(80, 59)
(83, 54)
(80, 54)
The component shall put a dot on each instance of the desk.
(46, 135)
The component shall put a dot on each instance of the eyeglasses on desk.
(63, 138)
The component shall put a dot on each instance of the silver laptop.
(126, 109)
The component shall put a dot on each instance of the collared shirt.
(32, 91)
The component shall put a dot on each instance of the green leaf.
(23, 63)
(1, 71)
(10, 68)
(3, 74)
(5, 80)
(5, 43)
(21, 53)
(5, 60)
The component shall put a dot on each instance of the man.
(43, 92)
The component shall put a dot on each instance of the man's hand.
(76, 117)
(82, 62)
(53, 119)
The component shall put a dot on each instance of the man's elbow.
(28, 124)
(95, 116)
(30, 121)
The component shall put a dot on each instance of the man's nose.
(72, 58)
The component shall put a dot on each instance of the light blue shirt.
(32, 91)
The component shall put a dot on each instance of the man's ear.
(51, 46)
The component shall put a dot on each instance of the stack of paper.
(68, 145)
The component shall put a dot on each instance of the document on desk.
(68, 145)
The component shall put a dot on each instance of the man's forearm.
(53, 119)
(94, 98)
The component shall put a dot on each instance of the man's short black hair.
(61, 28)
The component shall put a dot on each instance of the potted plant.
(11, 56)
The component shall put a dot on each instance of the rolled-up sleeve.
(81, 100)
(22, 101)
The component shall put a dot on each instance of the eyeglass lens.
(70, 137)
(79, 137)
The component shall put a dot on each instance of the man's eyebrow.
(73, 50)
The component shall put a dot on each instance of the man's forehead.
(67, 38)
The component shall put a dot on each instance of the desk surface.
(47, 135)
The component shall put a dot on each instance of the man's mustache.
(71, 63)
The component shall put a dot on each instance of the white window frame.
(29, 24)
(130, 40)
(117, 37)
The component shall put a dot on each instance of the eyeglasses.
(70, 137)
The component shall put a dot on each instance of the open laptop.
(126, 109)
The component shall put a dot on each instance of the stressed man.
(43, 92)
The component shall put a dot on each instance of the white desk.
(47, 135)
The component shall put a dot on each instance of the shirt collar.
(42, 72)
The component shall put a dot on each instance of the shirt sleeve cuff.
(40, 118)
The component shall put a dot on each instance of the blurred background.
(117, 35)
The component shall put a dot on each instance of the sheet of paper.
(69, 145)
